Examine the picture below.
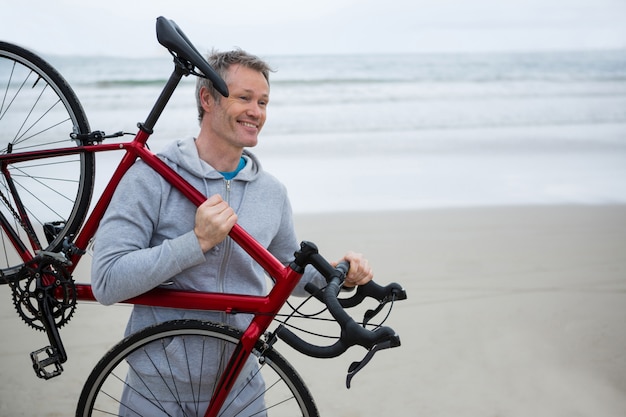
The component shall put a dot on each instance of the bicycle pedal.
(48, 367)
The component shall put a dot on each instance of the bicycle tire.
(38, 111)
(285, 393)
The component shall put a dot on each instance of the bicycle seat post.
(181, 69)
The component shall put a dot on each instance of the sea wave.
(574, 66)
(127, 83)
(387, 93)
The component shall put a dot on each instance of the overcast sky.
(126, 27)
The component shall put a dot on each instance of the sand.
(516, 311)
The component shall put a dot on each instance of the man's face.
(237, 119)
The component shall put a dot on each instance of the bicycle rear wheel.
(168, 369)
(42, 199)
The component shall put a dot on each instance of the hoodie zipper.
(221, 280)
(226, 244)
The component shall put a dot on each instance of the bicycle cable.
(27, 229)
(296, 313)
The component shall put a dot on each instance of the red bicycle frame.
(264, 308)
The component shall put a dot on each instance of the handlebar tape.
(351, 332)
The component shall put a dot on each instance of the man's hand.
(360, 271)
(214, 219)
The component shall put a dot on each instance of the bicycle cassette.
(44, 280)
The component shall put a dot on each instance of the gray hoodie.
(146, 238)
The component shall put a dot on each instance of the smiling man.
(152, 236)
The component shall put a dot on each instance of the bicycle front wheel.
(42, 199)
(171, 369)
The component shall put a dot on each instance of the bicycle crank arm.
(50, 366)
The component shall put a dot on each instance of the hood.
(184, 154)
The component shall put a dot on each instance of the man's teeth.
(248, 124)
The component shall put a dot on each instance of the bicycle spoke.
(7, 92)
(172, 369)
(41, 132)
(39, 112)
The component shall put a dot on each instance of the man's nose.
(255, 110)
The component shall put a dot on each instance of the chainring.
(44, 279)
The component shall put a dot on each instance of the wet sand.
(513, 311)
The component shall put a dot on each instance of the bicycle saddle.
(172, 37)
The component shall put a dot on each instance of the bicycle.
(46, 229)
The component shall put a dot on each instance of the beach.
(491, 186)
(512, 311)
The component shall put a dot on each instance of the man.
(152, 236)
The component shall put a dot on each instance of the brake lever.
(396, 295)
(370, 314)
(355, 367)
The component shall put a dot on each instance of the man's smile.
(249, 124)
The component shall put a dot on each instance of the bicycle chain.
(31, 233)
(44, 279)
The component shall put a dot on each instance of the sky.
(291, 27)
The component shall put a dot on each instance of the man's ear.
(206, 99)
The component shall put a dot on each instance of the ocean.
(403, 132)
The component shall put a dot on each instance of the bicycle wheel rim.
(43, 200)
(107, 387)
